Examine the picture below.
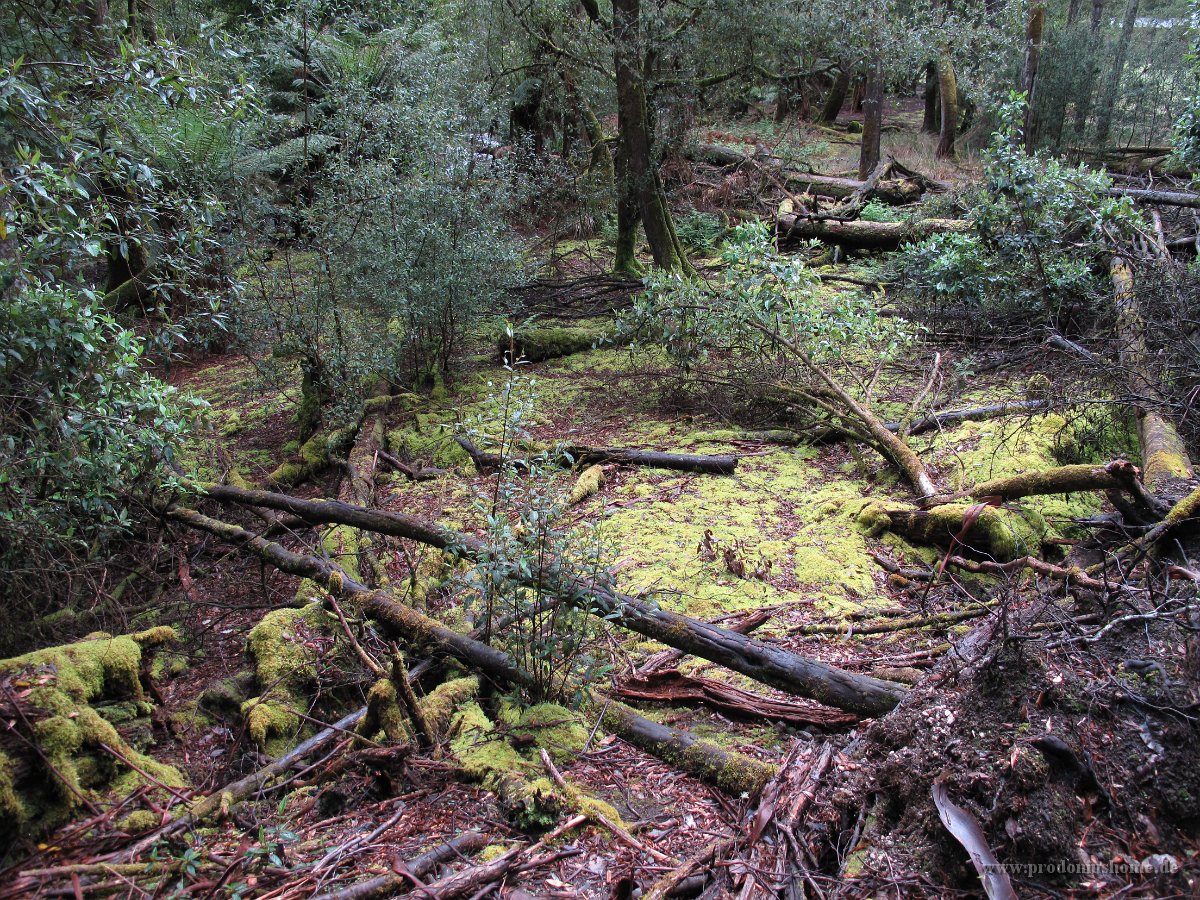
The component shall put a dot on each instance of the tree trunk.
(1034, 26)
(636, 139)
(1112, 87)
(868, 156)
(948, 89)
(760, 661)
(1087, 91)
(835, 98)
(931, 123)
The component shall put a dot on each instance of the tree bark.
(948, 89)
(868, 157)
(867, 235)
(1157, 198)
(931, 122)
(1112, 87)
(1116, 476)
(835, 99)
(760, 661)
(1034, 25)
(636, 139)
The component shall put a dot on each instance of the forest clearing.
(599, 449)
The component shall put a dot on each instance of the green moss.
(780, 510)
(429, 441)
(284, 668)
(983, 451)
(384, 714)
(445, 699)
(270, 724)
(542, 343)
(586, 485)
(71, 761)
(138, 821)
(493, 852)
(341, 545)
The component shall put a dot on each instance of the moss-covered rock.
(285, 667)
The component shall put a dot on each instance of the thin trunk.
(932, 121)
(868, 156)
(835, 98)
(1087, 91)
(633, 125)
(948, 88)
(1108, 100)
(1034, 26)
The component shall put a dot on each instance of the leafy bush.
(1187, 128)
(518, 587)
(87, 433)
(700, 230)
(760, 298)
(1040, 226)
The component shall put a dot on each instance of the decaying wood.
(1156, 198)
(862, 235)
(887, 626)
(672, 686)
(589, 456)
(951, 418)
(1164, 458)
(1117, 475)
(761, 661)
(895, 184)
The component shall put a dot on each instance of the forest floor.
(781, 536)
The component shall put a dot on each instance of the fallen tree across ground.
(756, 659)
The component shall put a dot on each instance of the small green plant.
(534, 588)
(700, 230)
(877, 211)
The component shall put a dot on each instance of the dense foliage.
(1040, 228)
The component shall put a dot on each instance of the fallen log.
(950, 418)
(999, 533)
(1165, 459)
(729, 771)
(579, 455)
(1117, 475)
(862, 235)
(409, 874)
(761, 661)
(895, 191)
(1156, 198)
(682, 462)
(672, 686)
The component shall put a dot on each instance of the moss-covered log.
(548, 342)
(724, 464)
(999, 533)
(1116, 476)
(1164, 458)
(734, 773)
(759, 660)
(59, 753)
(862, 235)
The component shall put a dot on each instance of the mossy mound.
(548, 342)
(55, 695)
(285, 667)
(506, 760)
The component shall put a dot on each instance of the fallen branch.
(588, 456)
(862, 235)
(889, 625)
(729, 771)
(672, 686)
(761, 661)
(410, 874)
